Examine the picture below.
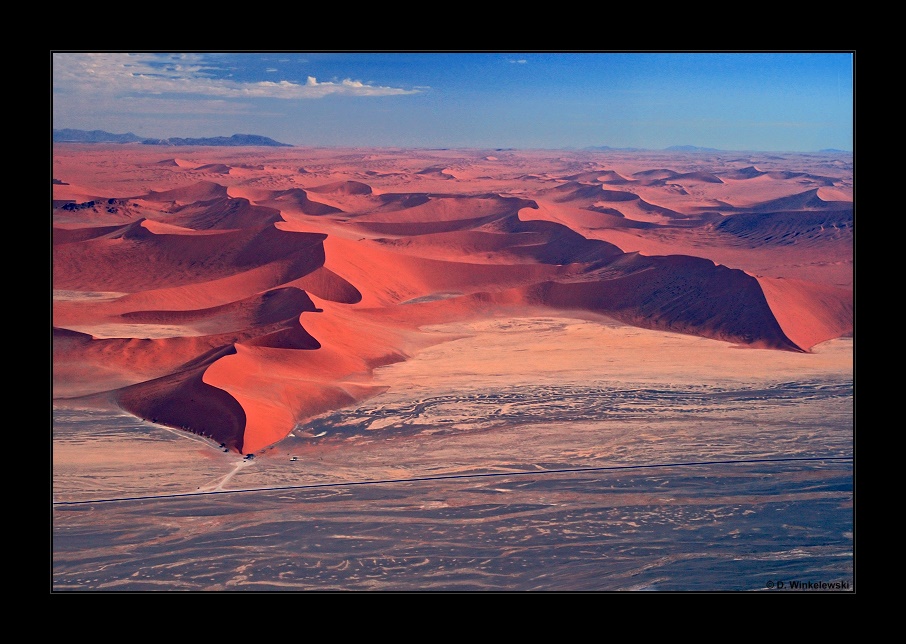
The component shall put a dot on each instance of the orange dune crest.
(809, 313)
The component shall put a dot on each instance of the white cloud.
(521, 61)
(112, 74)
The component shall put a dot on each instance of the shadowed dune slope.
(790, 227)
(201, 191)
(126, 361)
(214, 168)
(707, 177)
(223, 213)
(186, 401)
(294, 200)
(343, 188)
(508, 239)
(133, 258)
(267, 308)
(808, 200)
(673, 293)
(429, 214)
(74, 235)
(271, 320)
(582, 219)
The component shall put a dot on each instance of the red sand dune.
(196, 192)
(809, 313)
(344, 188)
(289, 202)
(238, 306)
(214, 168)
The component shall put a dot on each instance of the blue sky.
(800, 101)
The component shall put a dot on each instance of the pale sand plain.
(472, 389)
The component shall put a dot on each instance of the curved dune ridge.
(241, 305)
(789, 227)
(292, 201)
(344, 188)
(200, 191)
(223, 213)
(214, 168)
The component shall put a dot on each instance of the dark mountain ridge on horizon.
(69, 135)
(700, 149)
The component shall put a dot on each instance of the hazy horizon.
(745, 101)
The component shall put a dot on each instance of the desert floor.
(516, 448)
(615, 398)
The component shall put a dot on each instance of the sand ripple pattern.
(568, 404)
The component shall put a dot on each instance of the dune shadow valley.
(290, 369)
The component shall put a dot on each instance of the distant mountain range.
(689, 148)
(672, 148)
(606, 148)
(93, 136)
(100, 136)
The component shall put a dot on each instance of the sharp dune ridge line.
(236, 293)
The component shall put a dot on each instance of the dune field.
(234, 295)
(239, 318)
